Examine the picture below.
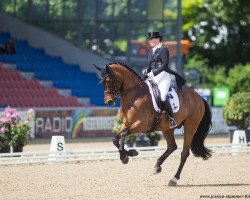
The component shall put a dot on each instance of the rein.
(118, 93)
(132, 88)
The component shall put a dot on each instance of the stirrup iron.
(172, 122)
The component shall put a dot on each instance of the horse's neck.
(133, 88)
(130, 82)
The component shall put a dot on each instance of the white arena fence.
(78, 156)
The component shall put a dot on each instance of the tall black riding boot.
(172, 122)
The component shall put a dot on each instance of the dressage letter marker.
(57, 145)
(239, 138)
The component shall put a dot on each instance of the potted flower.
(236, 112)
(154, 137)
(14, 130)
(130, 139)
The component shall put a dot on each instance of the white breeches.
(163, 81)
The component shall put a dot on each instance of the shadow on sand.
(216, 185)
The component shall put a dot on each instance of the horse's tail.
(197, 145)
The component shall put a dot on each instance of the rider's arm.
(162, 61)
(147, 69)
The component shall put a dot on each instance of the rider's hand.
(144, 72)
(150, 74)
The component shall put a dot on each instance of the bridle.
(116, 92)
(115, 81)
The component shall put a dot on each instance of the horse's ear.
(108, 70)
(98, 68)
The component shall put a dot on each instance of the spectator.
(10, 47)
(2, 48)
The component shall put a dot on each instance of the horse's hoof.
(132, 153)
(157, 170)
(125, 160)
(172, 183)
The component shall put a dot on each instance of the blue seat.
(46, 67)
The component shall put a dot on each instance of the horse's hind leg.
(189, 130)
(171, 147)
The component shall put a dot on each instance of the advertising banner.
(85, 122)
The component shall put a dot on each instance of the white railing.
(77, 156)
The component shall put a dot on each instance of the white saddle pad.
(172, 96)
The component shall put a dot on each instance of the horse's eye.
(108, 81)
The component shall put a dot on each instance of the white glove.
(150, 74)
(144, 72)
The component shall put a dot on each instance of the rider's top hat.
(154, 35)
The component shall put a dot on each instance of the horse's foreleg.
(123, 153)
(119, 141)
(120, 138)
(116, 141)
(171, 147)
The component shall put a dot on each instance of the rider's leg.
(164, 87)
(172, 122)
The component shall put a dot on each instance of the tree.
(219, 30)
(238, 78)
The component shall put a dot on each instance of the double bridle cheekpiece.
(116, 93)
(108, 72)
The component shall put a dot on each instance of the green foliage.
(19, 135)
(130, 139)
(13, 129)
(189, 10)
(239, 78)
(216, 31)
(216, 77)
(237, 110)
(120, 44)
(197, 62)
(154, 136)
(212, 77)
(117, 124)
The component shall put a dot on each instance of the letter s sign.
(60, 146)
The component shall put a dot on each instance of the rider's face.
(153, 42)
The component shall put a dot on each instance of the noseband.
(116, 93)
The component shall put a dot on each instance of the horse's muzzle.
(109, 100)
(110, 103)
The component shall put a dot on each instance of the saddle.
(156, 97)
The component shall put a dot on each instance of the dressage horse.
(138, 115)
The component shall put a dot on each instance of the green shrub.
(239, 78)
(154, 136)
(14, 130)
(237, 110)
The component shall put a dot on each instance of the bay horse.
(138, 115)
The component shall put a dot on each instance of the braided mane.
(123, 65)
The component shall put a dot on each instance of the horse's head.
(110, 84)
